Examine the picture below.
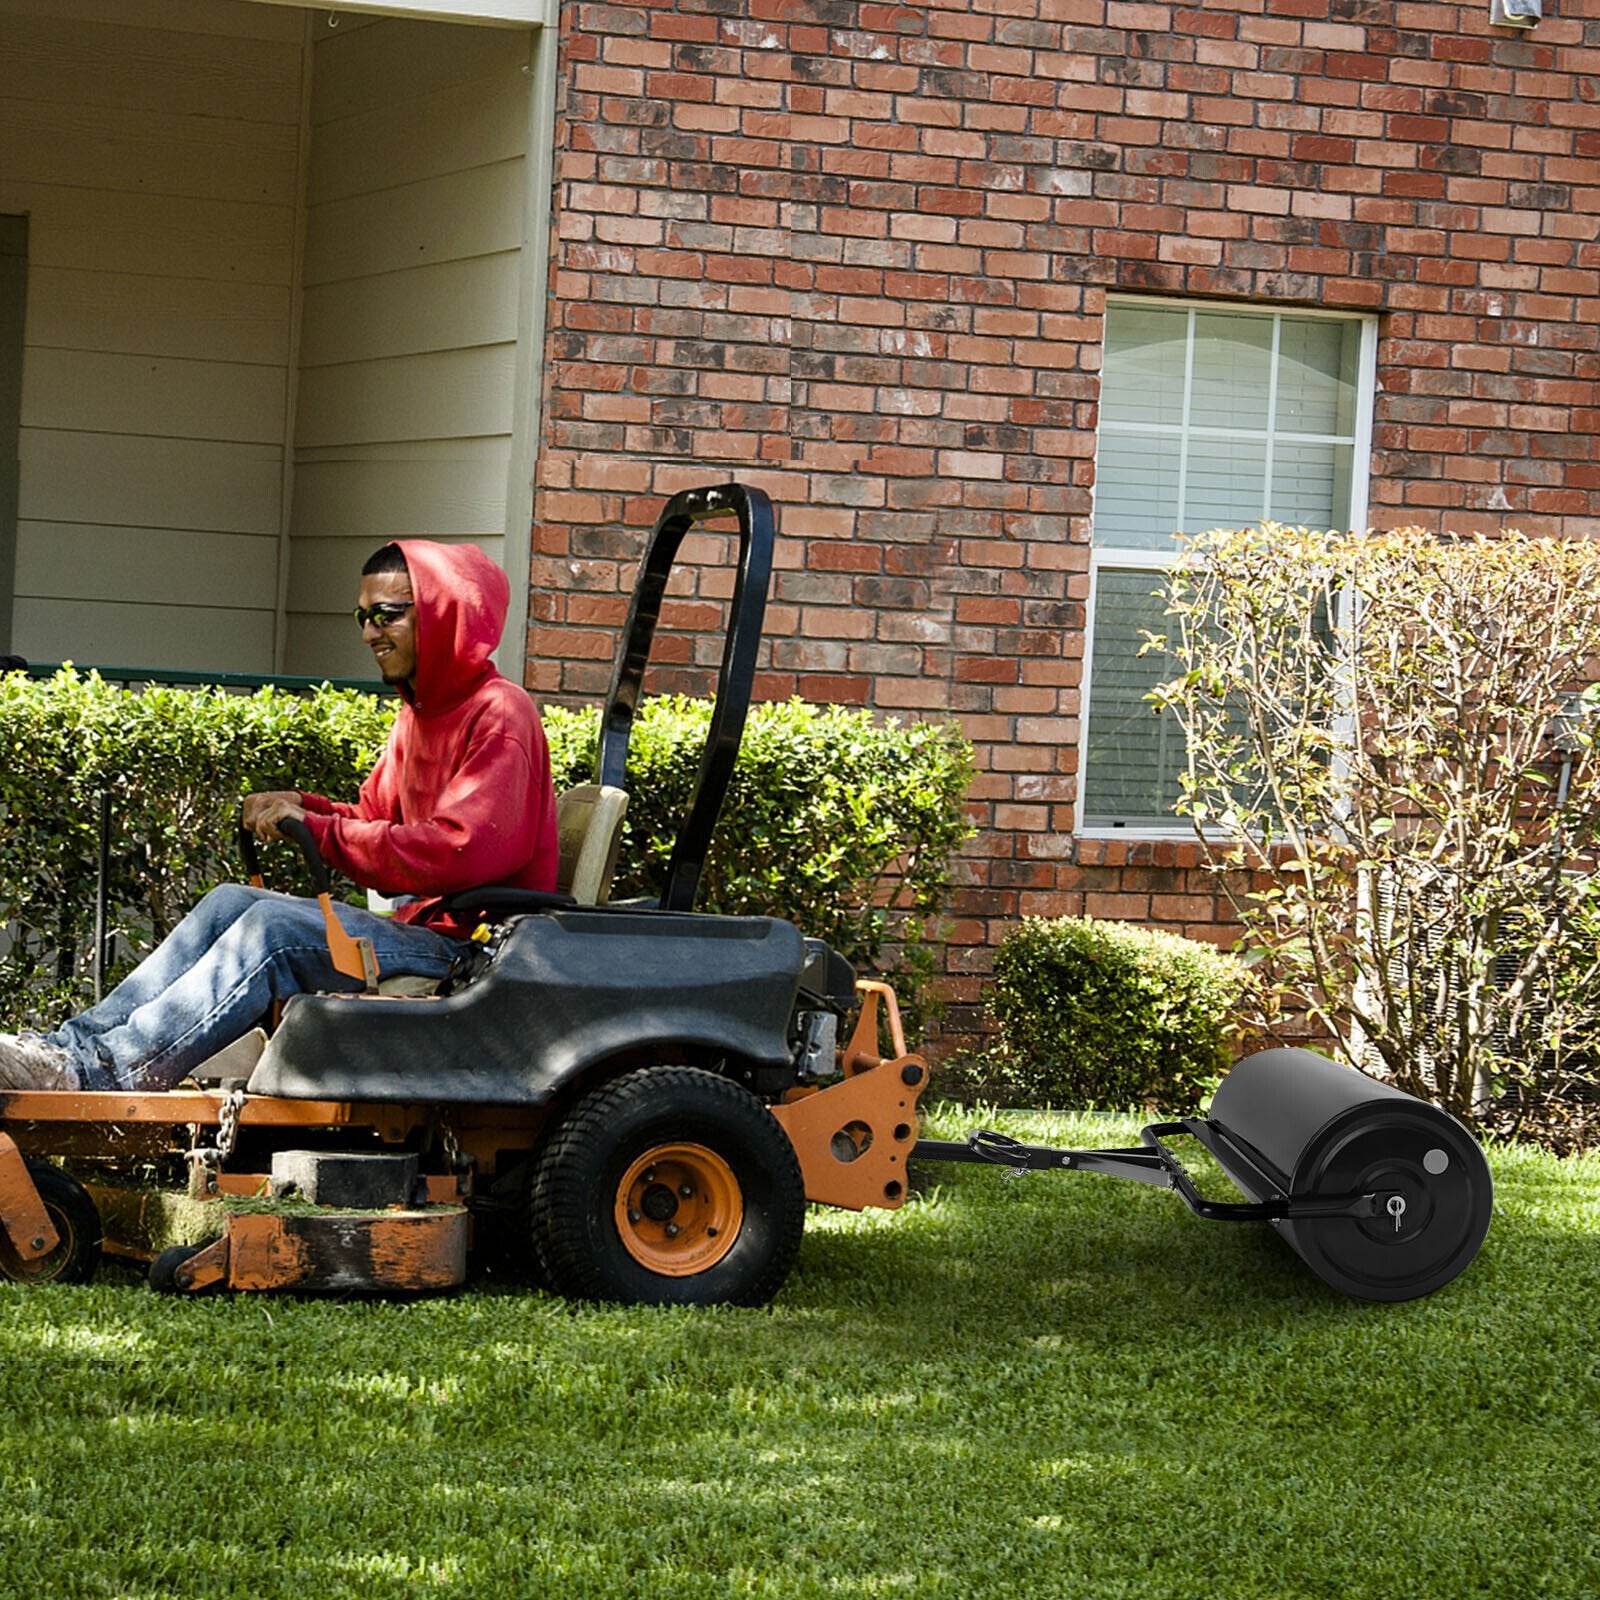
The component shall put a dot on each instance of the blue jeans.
(216, 975)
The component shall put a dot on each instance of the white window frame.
(1113, 558)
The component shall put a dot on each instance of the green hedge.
(174, 763)
(1104, 1014)
(841, 823)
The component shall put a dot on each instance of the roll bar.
(735, 679)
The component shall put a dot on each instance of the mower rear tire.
(77, 1254)
(669, 1186)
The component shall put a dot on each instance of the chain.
(208, 1158)
(228, 1124)
(452, 1145)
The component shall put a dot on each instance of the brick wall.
(858, 254)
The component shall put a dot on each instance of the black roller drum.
(1320, 1129)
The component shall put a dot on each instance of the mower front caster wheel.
(76, 1220)
(163, 1273)
(670, 1186)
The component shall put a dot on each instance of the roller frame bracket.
(1152, 1162)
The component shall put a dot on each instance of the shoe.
(30, 1062)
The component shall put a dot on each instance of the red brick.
(820, 257)
(833, 690)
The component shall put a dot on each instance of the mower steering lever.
(298, 834)
(353, 957)
(250, 855)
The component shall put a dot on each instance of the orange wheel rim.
(679, 1209)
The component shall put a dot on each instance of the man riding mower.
(645, 1095)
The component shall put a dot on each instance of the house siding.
(154, 149)
(859, 254)
(409, 362)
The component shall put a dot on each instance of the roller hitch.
(1153, 1162)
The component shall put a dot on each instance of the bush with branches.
(1391, 761)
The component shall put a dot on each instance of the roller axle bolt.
(1396, 1207)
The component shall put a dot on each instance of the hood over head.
(461, 602)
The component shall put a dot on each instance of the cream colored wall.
(155, 147)
(412, 273)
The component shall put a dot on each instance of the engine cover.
(563, 991)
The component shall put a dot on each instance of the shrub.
(173, 764)
(843, 824)
(1108, 1015)
(840, 823)
(1549, 1089)
(1392, 765)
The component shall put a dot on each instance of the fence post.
(102, 897)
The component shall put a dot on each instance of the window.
(1210, 416)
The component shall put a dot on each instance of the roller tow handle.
(1151, 1162)
(1384, 1196)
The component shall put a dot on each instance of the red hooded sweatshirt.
(461, 795)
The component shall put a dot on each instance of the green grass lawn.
(1053, 1386)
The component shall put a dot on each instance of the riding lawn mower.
(646, 1097)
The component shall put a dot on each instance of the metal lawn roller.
(1382, 1195)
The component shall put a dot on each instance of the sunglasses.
(386, 613)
